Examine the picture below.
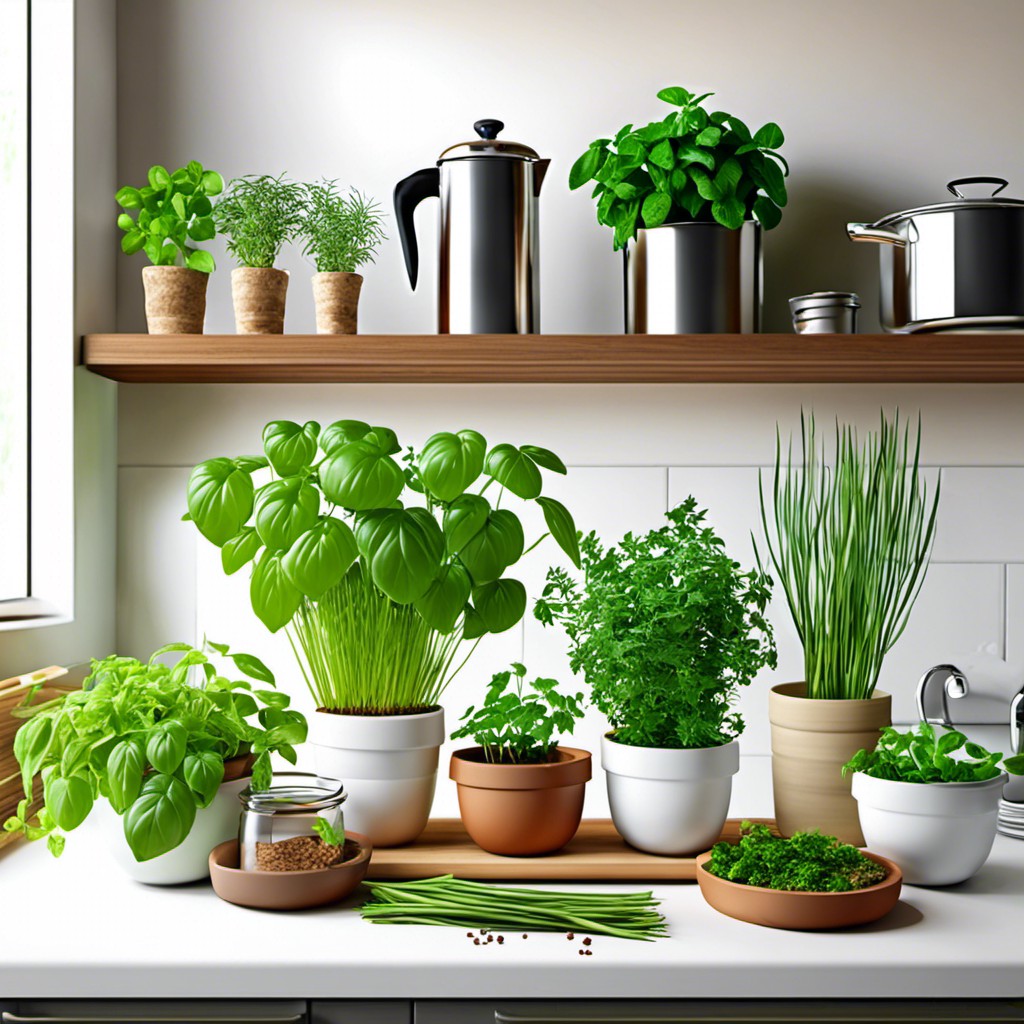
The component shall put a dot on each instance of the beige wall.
(881, 102)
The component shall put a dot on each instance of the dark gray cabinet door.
(612, 1011)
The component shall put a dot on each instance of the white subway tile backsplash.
(980, 515)
(156, 562)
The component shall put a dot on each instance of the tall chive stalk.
(459, 903)
(360, 651)
(850, 545)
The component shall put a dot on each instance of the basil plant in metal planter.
(381, 566)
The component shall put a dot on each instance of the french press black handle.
(488, 129)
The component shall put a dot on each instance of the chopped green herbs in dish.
(807, 862)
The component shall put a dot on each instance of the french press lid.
(488, 145)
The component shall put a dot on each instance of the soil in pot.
(521, 810)
(300, 853)
(258, 295)
(336, 296)
(175, 299)
(811, 741)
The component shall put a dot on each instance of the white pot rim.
(377, 732)
(669, 764)
(929, 799)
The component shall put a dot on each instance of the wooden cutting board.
(597, 853)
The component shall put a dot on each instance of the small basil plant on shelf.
(153, 743)
(174, 212)
(342, 229)
(520, 793)
(692, 165)
(666, 628)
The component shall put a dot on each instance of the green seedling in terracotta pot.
(520, 793)
(172, 212)
(157, 746)
(379, 563)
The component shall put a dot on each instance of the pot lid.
(489, 145)
(961, 202)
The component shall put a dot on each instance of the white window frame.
(51, 599)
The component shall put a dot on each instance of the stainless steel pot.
(488, 269)
(694, 278)
(957, 265)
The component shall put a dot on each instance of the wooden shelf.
(558, 358)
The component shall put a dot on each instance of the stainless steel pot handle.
(954, 185)
(869, 233)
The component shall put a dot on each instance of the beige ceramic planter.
(175, 299)
(811, 741)
(337, 302)
(258, 294)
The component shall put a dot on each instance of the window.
(14, 301)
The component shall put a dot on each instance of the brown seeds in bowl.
(302, 853)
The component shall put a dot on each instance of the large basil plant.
(346, 517)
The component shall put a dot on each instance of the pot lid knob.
(954, 185)
(488, 128)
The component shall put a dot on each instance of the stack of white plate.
(1011, 819)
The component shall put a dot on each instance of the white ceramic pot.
(669, 801)
(388, 764)
(188, 862)
(939, 833)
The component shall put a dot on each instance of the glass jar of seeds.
(295, 825)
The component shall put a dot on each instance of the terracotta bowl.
(288, 890)
(801, 911)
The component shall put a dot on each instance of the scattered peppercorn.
(501, 939)
(587, 941)
(525, 936)
(570, 936)
(476, 942)
(469, 935)
(589, 952)
(581, 952)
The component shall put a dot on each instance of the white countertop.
(78, 928)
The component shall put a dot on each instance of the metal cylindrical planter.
(952, 265)
(694, 278)
(669, 801)
(388, 764)
(939, 833)
(811, 741)
(521, 810)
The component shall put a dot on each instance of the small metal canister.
(825, 313)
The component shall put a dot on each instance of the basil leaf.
(161, 817)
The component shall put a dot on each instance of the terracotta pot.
(811, 741)
(337, 302)
(288, 890)
(258, 294)
(801, 911)
(521, 810)
(175, 299)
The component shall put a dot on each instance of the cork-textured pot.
(811, 741)
(337, 302)
(175, 299)
(800, 911)
(521, 810)
(258, 294)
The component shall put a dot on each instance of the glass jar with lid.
(281, 829)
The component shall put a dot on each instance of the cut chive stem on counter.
(459, 903)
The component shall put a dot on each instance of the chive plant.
(850, 545)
